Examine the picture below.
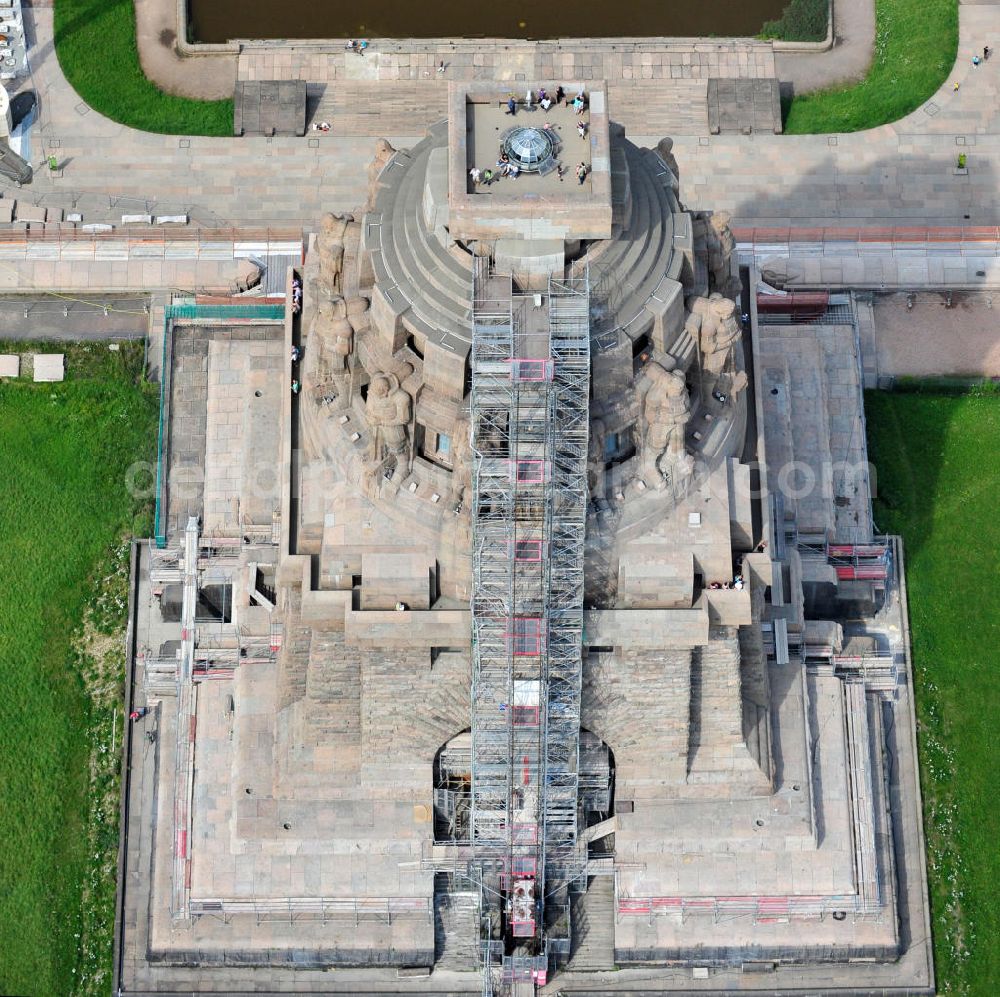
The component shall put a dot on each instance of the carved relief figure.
(387, 409)
(720, 245)
(331, 339)
(666, 407)
(330, 249)
(666, 150)
(384, 151)
(719, 330)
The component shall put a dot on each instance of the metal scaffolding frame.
(530, 424)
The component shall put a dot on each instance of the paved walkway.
(205, 77)
(889, 175)
(849, 59)
(897, 174)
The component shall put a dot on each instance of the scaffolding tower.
(530, 422)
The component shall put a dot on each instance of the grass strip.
(95, 42)
(937, 458)
(915, 46)
(65, 516)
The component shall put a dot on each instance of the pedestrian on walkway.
(975, 60)
(138, 714)
(362, 45)
(476, 175)
(511, 105)
(957, 85)
(581, 173)
(986, 52)
(560, 94)
(295, 387)
(581, 129)
(441, 66)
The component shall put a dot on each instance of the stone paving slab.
(574, 61)
(49, 367)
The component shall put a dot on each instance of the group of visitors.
(545, 100)
(737, 583)
(503, 168)
(357, 45)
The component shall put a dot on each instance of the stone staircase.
(293, 661)
(333, 689)
(456, 931)
(717, 753)
(395, 108)
(638, 702)
(410, 708)
(627, 270)
(592, 916)
(409, 260)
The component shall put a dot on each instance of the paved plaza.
(897, 174)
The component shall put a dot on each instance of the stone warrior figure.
(384, 151)
(330, 249)
(720, 244)
(665, 411)
(666, 151)
(332, 334)
(718, 329)
(387, 409)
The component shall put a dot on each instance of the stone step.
(456, 931)
(352, 108)
(293, 663)
(593, 923)
(633, 265)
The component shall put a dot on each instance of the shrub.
(801, 21)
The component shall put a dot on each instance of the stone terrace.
(574, 60)
(654, 86)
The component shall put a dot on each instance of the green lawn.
(63, 513)
(937, 460)
(915, 46)
(95, 42)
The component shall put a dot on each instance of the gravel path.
(932, 339)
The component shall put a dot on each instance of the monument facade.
(549, 674)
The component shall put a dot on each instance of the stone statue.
(461, 473)
(330, 249)
(331, 338)
(718, 332)
(332, 331)
(384, 151)
(665, 411)
(387, 409)
(720, 245)
(666, 152)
